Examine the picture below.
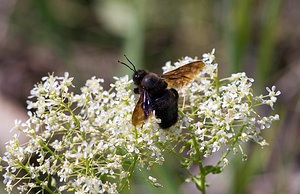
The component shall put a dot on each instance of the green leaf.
(186, 144)
(213, 169)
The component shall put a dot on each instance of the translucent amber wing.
(183, 75)
(143, 110)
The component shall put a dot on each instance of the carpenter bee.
(158, 94)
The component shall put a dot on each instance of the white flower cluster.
(86, 143)
(84, 140)
(221, 112)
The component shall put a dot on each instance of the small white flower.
(225, 161)
(273, 96)
(272, 91)
(263, 143)
(209, 57)
(167, 67)
(157, 185)
(152, 179)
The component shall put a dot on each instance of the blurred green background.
(87, 37)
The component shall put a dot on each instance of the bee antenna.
(130, 63)
(126, 65)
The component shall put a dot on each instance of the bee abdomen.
(166, 108)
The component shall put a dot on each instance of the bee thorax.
(150, 81)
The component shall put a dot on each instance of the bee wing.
(183, 75)
(143, 109)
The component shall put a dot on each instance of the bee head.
(138, 76)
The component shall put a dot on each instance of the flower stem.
(202, 173)
(75, 119)
(130, 173)
(232, 146)
(36, 179)
(131, 167)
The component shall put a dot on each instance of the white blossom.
(88, 142)
(209, 57)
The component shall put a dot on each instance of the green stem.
(201, 168)
(217, 83)
(38, 181)
(132, 167)
(232, 146)
(74, 117)
(130, 173)
(50, 151)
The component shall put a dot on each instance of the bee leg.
(136, 90)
